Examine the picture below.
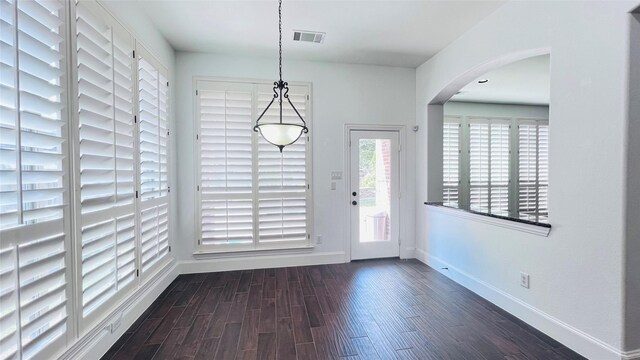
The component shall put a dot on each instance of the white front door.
(373, 194)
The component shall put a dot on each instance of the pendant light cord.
(280, 33)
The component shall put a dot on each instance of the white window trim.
(201, 251)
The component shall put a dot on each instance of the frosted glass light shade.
(280, 134)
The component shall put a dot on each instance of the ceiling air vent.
(308, 36)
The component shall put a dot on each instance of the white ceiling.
(394, 33)
(523, 82)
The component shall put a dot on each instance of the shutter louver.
(8, 300)
(43, 315)
(499, 167)
(40, 38)
(33, 198)
(282, 182)
(10, 207)
(226, 166)
(479, 165)
(154, 226)
(489, 165)
(153, 107)
(451, 161)
(106, 150)
(283, 219)
(533, 170)
(527, 135)
(163, 133)
(543, 172)
(149, 130)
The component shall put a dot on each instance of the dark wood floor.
(377, 309)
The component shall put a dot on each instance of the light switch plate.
(336, 175)
(524, 280)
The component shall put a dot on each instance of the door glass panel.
(374, 189)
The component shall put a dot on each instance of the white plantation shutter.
(249, 193)
(479, 164)
(153, 100)
(8, 302)
(282, 182)
(533, 169)
(451, 160)
(154, 227)
(489, 164)
(43, 298)
(499, 166)
(487, 170)
(106, 157)
(543, 171)
(33, 197)
(149, 129)
(225, 152)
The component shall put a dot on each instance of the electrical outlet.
(319, 239)
(333, 185)
(524, 280)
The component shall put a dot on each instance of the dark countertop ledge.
(503, 217)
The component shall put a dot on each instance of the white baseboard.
(259, 262)
(97, 341)
(573, 338)
(631, 355)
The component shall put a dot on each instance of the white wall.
(632, 326)
(341, 94)
(577, 281)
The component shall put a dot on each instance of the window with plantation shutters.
(489, 164)
(250, 195)
(153, 135)
(105, 98)
(533, 170)
(34, 211)
(451, 160)
(499, 171)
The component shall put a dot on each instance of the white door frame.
(401, 130)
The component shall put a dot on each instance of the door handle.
(354, 202)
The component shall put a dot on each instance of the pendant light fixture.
(280, 134)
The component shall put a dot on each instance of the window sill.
(527, 226)
(215, 254)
